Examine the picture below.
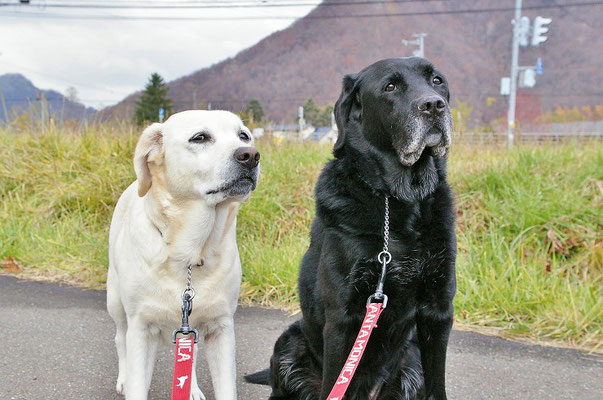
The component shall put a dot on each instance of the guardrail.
(524, 137)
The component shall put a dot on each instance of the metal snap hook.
(377, 296)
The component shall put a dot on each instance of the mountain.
(18, 95)
(310, 58)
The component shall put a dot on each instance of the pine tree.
(152, 99)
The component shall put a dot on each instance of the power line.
(378, 15)
(216, 5)
(61, 79)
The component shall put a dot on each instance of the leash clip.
(377, 296)
(187, 307)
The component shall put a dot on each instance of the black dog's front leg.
(334, 356)
(433, 329)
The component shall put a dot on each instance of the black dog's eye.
(244, 136)
(390, 87)
(437, 80)
(200, 137)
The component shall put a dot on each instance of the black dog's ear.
(346, 107)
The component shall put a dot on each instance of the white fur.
(162, 223)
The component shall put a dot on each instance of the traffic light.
(540, 28)
(523, 31)
(527, 78)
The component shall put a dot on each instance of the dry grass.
(530, 244)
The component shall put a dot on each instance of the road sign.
(539, 66)
(540, 28)
(505, 86)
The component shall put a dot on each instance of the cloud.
(107, 59)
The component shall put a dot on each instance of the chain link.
(189, 276)
(385, 256)
(386, 226)
(189, 279)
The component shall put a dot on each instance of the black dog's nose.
(432, 105)
(247, 156)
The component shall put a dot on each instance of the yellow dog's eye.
(390, 87)
(200, 137)
(244, 136)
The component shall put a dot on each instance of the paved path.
(56, 342)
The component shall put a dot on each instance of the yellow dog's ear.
(148, 150)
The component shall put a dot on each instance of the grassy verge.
(530, 243)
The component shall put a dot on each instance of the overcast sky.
(106, 58)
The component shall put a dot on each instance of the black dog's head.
(396, 112)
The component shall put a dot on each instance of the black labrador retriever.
(394, 128)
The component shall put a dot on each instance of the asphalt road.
(56, 342)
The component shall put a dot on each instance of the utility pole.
(420, 41)
(3, 103)
(301, 121)
(42, 107)
(514, 71)
(523, 35)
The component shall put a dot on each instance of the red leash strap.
(183, 368)
(373, 311)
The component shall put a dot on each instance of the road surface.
(56, 342)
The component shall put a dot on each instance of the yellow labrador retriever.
(192, 172)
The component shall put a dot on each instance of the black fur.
(259, 378)
(405, 358)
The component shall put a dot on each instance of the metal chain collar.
(384, 258)
(189, 289)
(385, 253)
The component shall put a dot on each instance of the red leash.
(183, 368)
(185, 346)
(373, 311)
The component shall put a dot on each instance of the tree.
(315, 115)
(152, 99)
(326, 115)
(72, 95)
(255, 110)
(461, 116)
(311, 112)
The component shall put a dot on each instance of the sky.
(107, 54)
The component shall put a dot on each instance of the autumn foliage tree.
(567, 114)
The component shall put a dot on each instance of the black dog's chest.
(402, 278)
(410, 268)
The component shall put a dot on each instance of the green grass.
(529, 227)
(530, 244)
